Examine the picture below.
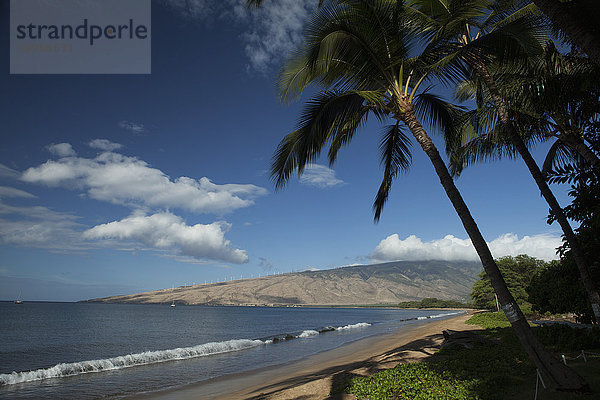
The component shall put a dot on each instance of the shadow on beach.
(340, 374)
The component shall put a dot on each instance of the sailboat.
(18, 300)
(173, 302)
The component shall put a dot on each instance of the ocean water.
(93, 351)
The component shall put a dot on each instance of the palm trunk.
(555, 374)
(579, 20)
(555, 208)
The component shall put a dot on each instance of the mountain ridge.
(385, 283)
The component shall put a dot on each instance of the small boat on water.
(18, 301)
(173, 303)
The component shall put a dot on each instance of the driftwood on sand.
(466, 339)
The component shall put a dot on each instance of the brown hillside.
(387, 283)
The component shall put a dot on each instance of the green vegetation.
(556, 289)
(479, 373)
(489, 320)
(432, 302)
(537, 286)
(412, 381)
(518, 272)
(381, 60)
(568, 339)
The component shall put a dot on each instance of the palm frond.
(559, 155)
(395, 157)
(328, 116)
(436, 112)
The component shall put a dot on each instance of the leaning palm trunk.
(584, 151)
(555, 374)
(535, 171)
(357, 50)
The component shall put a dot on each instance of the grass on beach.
(498, 370)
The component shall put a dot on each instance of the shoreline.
(316, 376)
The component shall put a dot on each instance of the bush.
(566, 338)
(489, 320)
(453, 374)
(411, 381)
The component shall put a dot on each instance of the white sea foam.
(446, 314)
(129, 360)
(308, 333)
(148, 357)
(441, 315)
(354, 326)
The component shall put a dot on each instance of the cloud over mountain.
(451, 248)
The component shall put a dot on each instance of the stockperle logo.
(80, 37)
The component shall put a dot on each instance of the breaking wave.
(129, 360)
(159, 356)
(308, 333)
(441, 315)
(183, 353)
(355, 326)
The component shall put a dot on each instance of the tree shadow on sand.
(342, 373)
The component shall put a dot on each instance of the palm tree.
(471, 37)
(361, 52)
(561, 93)
(578, 20)
(556, 97)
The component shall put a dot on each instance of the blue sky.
(114, 184)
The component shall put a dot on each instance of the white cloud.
(104, 144)
(272, 31)
(451, 248)
(167, 231)
(61, 149)
(132, 127)
(120, 179)
(319, 176)
(13, 192)
(7, 172)
(275, 29)
(40, 227)
(310, 269)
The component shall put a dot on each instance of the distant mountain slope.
(387, 283)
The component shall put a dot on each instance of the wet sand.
(317, 376)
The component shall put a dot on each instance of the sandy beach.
(317, 376)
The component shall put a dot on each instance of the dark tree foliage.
(432, 302)
(558, 288)
(517, 271)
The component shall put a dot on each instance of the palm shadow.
(342, 373)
